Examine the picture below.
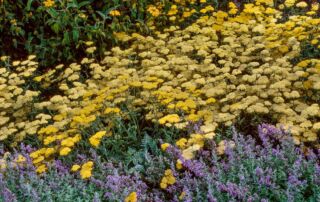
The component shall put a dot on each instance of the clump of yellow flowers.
(167, 179)
(132, 197)
(86, 170)
(96, 138)
(48, 3)
(223, 65)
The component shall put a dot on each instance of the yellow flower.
(207, 9)
(314, 41)
(182, 195)
(38, 78)
(153, 11)
(91, 49)
(302, 4)
(38, 160)
(167, 179)
(283, 49)
(94, 141)
(48, 3)
(96, 138)
(48, 130)
(163, 185)
(188, 153)
(86, 170)
(211, 101)
(88, 43)
(289, 3)
(171, 118)
(173, 10)
(109, 110)
(179, 164)
(68, 142)
(65, 151)
(181, 143)
(49, 151)
(3, 164)
(75, 168)
(164, 146)
(20, 159)
(100, 134)
(115, 13)
(132, 197)
(41, 169)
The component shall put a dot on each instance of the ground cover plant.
(154, 117)
(241, 170)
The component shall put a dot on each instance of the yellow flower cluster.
(167, 179)
(218, 68)
(179, 10)
(154, 11)
(86, 170)
(48, 3)
(171, 118)
(96, 138)
(17, 100)
(132, 197)
(115, 13)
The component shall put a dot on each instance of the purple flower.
(195, 166)
(268, 133)
(62, 169)
(232, 189)
(5, 193)
(210, 197)
(259, 171)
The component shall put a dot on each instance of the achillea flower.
(168, 179)
(48, 3)
(132, 197)
(115, 13)
(96, 138)
(289, 3)
(302, 4)
(164, 146)
(41, 169)
(153, 11)
(86, 170)
(173, 10)
(64, 151)
(75, 168)
(171, 118)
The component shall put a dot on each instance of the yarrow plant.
(156, 108)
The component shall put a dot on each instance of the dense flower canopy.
(224, 66)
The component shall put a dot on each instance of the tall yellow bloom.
(48, 3)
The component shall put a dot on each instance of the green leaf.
(52, 12)
(55, 27)
(102, 15)
(84, 3)
(29, 5)
(66, 39)
(71, 5)
(75, 35)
